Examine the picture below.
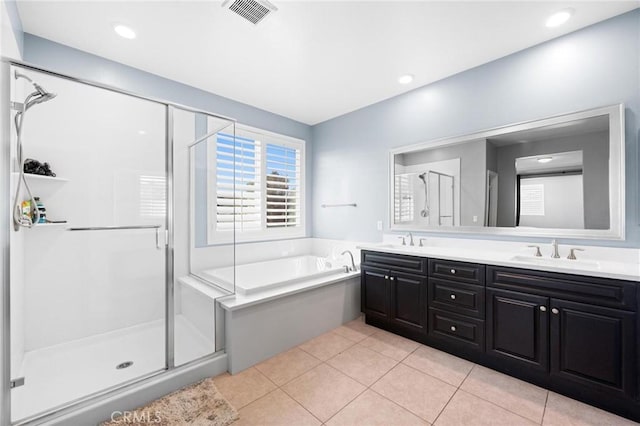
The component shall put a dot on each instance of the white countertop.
(519, 259)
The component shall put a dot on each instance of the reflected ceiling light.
(559, 18)
(124, 31)
(544, 159)
(405, 79)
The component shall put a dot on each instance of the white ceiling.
(311, 60)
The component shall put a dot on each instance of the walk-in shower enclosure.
(99, 293)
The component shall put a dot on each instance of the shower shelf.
(40, 178)
(51, 225)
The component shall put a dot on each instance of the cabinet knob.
(392, 278)
(543, 308)
(386, 277)
(453, 297)
(453, 271)
(555, 311)
(453, 328)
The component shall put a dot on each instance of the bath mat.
(200, 404)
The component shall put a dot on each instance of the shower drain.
(124, 365)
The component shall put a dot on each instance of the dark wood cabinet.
(518, 328)
(408, 301)
(394, 292)
(593, 346)
(375, 292)
(573, 334)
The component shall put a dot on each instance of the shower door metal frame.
(5, 308)
(453, 198)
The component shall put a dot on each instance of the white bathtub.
(255, 277)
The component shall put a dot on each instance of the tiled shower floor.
(360, 375)
(59, 374)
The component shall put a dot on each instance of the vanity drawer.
(465, 299)
(456, 328)
(594, 290)
(471, 273)
(396, 262)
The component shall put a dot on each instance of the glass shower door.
(88, 287)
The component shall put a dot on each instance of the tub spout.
(353, 263)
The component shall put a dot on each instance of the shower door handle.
(114, 228)
(118, 228)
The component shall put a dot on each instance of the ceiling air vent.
(253, 11)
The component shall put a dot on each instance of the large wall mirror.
(561, 176)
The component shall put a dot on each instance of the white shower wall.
(78, 284)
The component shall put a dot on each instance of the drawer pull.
(453, 271)
(543, 308)
(453, 297)
(555, 311)
(453, 328)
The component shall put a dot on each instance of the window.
(258, 187)
(403, 200)
(153, 196)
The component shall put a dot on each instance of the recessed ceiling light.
(559, 18)
(142, 132)
(124, 31)
(544, 159)
(405, 79)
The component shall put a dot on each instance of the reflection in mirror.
(563, 172)
(550, 191)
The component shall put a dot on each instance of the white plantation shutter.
(153, 196)
(238, 183)
(258, 186)
(403, 200)
(283, 186)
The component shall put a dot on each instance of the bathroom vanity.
(571, 333)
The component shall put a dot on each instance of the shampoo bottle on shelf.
(41, 210)
(26, 210)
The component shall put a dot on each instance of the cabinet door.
(593, 346)
(518, 328)
(409, 301)
(375, 292)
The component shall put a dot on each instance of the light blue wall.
(16, 22)
(66, 60)
(596, 66)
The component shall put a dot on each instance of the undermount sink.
(392, 246)
(558, 263)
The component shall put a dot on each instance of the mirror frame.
(616, 230)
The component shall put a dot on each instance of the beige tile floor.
(360, 375)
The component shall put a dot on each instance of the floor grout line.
(544, 411)
(300, 403)
(404, 408)
(453, 394)
(494, 403)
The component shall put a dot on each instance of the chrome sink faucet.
(538, 254)
(410, 235)
(353, 263)
(554, 245)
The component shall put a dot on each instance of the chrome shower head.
(422, 177)
(37, 97)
